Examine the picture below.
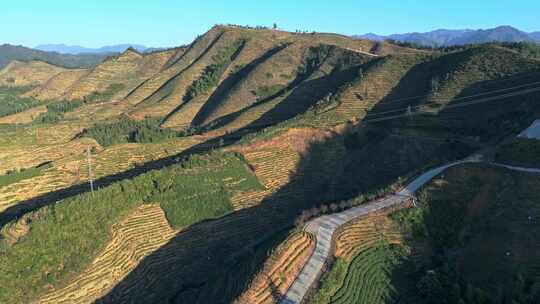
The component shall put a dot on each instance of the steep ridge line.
(325, 226)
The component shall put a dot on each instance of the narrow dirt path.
(324, 227)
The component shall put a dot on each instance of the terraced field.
(182, 191)
(56, 87)
(143, 231)
(129, 69)
(71, 169)
(364, 233)
(275, 163)
(369, 276)
(279, 270)
(365, 251)
(18, 73)
(273, 167)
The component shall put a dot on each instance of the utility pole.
(89, 155)
(414, 201)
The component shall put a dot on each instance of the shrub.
(49, 117)
(12, 103)
(212, 73)
(64, 106)
(134, 131)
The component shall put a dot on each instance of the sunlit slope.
(18, 73)
(58, 85)
(126, 71)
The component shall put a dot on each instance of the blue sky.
(93, 23)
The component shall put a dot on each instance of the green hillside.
(236, 135)
(470, 241)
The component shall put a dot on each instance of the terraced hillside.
(279, 270)
(288, 125)
(139, 234)
(118, 75)
(263, 62)
(31, 73)
(449, 247)
(57, 86)
(202, 184)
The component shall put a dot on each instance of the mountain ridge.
(77, 49)
(452, 37)
(10, 52)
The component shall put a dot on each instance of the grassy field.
(69, 234)
(16, 176)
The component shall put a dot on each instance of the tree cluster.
(133, 131)
(12, 103)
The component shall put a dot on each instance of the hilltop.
(206, 160)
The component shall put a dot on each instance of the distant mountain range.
(9, 53)
(444, 37)
(76, 49)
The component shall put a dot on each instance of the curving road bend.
(324, 227)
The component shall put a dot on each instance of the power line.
(397, 100)
(89, 155)
(462, 104)
(435, 101)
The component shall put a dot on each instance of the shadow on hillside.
(303, 96)
(229, 83)
(477, 122)
(213, 261)
(475, 242)
(308, 88)
(493, 119)
(415, 86)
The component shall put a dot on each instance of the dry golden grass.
(274, 162)
(177, 63)
(27, 146)
(130, 68)
(57, 86)
(251, 51)
(170, 96)
(142, 232)
(18, 73)
(364, 232)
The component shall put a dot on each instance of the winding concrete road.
(324, 227)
